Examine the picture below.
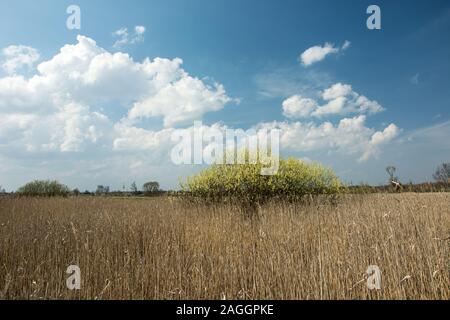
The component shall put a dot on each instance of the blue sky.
(251, 48)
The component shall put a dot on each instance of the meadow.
(166, 248)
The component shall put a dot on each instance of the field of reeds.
(165, 248)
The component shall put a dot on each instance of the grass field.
(163, 248)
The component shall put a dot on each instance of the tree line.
(53, 188)
(50, 188)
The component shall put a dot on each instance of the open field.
(162, 248)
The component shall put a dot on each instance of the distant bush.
(39, 188)
(244, 182)
(102, 190)
(151, 188)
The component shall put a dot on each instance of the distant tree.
(45, 188)
(102, 190)
(391, 172)
(442, 173)
(151, 187)
(393, 180)
(76, 192)
(2, 190)
(134, 189)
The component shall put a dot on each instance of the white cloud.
(126, 38)
(339, 99)
(180, 102)
(58, 108)
(139, 29)
(318, 53)
(298, 107)
(17, 57)
(379, 138)
(131, 138)
(349, 136)
(346, 45)
(87, 99)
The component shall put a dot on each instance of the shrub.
(244, 182)
(39, 188)
(151, 188)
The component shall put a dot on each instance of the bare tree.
(393, 180)
(134, 188)
(442, 173)
(391, 171)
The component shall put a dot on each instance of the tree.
(134, 188)
(391, 171)
(39, 188)
(76, 192)
(245, 184)
(2, 190)
(442, 173)
(101, 190)
(151, 187)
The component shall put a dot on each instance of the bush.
(46, 188)
(244, 182)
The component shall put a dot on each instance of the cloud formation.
(17, 57)
(318, 53)
(339, 99)
(125, 38)
(349, 136)
(60, 108)
(104, 105)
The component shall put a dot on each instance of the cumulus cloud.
(181, 102)
(58, 108)
(17, 57)
(298, 107)
(349, 136)
(378, 139)
(318, 53)
(87, 99)
(125, 38)
(339, 99)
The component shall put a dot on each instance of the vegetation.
(41, 188)
(102, 190)
(134, 189)
(160, 248)
(442, 174)
(245, 183)
(151, 188)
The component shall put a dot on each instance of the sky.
(98, 105)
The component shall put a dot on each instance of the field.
(164, 248)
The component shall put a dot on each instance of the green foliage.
(40, 188)
(295, 179)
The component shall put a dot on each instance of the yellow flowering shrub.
(295, 178)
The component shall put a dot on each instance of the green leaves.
(44, 189)
(244, 182)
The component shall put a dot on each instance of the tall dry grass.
(165, 249)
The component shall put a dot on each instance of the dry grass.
(164, 249)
